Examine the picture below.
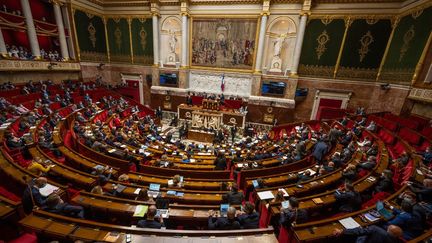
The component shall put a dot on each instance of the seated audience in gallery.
(230, 222)
(150, 220)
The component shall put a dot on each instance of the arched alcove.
(170, 29)
(280, 41)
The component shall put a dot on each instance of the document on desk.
(265, 195)
(47, 190)
(140, 210)
(349, 223)
(111, 237)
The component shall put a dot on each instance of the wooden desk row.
(328, 197)
(189, 197)
(316, 184)
(59, 227)
(81, 179)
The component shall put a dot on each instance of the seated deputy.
(150, 221)
(229, 222)
(249, 218)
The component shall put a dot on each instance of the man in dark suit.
(223, 223)
(234, 197)
(54, 204)
(32, 197)
(320, 150)
(349, 200)
(150, 221)
(249, 218)
(371, 234)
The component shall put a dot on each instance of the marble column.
(261, 40)
(155, 21)
(299, 44)
(184, 44)
(31, 30)
(3, 50)
(62, 35)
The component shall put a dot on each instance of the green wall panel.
(408, 42)
(364, 48)
(90, 31)
(118, 39)
(321, 47)
(142, 40)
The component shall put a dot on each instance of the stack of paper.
(265, 195)
(349, 223)
(47, 190)
(140, 210)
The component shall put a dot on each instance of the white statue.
(172, 41)
(278, 45)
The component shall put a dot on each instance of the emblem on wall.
(365, 41)
(143, 36)
(322, 40)
(408, 36)
(118, 34)
(92, 34)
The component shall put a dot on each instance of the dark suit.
(349, 201)
(249, 221)
(320, 150)
(222, 224)
(27, 201)
(290, 216)
(234, 198)
(371, 234)
(145, 223)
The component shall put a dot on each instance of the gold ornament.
(322, 40)
(118, 34)
(92, 34)
(365, 41)
(143, 36)
(408, 36)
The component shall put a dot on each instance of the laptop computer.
(383, 211)
(154, 187)
(255, 183)
(224, 210)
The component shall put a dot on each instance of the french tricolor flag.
(223, 83)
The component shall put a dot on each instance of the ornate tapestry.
(408, 42)
(142, 40)
(90, 31)
(364, 48)
(119, 40)
(224, 43)
(321, 45)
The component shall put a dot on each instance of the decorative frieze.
(18, 65)
(421, 94)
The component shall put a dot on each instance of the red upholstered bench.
(410, 136)
(25, 238)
